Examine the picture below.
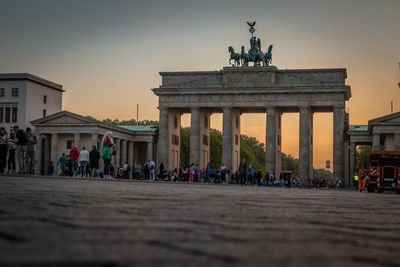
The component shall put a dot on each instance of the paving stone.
(95, 222)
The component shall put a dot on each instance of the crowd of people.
(17, 145)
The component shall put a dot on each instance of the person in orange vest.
(361, 181)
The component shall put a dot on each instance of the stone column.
(236, 138)
(204, 152)
(352, 161)
(397, 142)
(306, 143)
(149, 151)
(346, 149)
(273, 141)
(77, 140)
(338, 134)
(38, 154)
(47, 152)
(54, 151)
(123, 152)
(174, 136)
(130, 153)
(163, 142)
(376, 142)
(95, 139)
(117, 161)
(194, 155)
(227, 139)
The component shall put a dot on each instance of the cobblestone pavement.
(64, 222)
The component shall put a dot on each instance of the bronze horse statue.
(234, 56)
(268, 56)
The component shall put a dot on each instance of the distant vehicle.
(384, 171)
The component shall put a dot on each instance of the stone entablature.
(250, 77)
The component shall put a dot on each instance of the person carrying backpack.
(21, 140)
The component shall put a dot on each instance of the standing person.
(21, 140)
(258, 177)
(126, 169)
(50, 169)
(152, 167)
(243, 171)
(161, 170)
(74, 156)
(62, 161)
(30, 151)
(84, 160)
(3, 149)
(11, 152)
(94, 157)
(250, 175)
(137, 170)
(106, 155)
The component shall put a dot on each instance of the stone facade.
(236, 90)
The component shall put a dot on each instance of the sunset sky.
(107, 54)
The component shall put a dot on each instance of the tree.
(185, 147)
(362, 156)
(216, 148)
(253, 151)
(289, 163)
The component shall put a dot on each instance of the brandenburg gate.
(240, 89)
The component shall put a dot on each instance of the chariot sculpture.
(254, 54)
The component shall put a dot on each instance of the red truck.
(384, 171)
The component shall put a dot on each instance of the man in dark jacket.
(94, 157)
(243, 171)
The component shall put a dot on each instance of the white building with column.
(382, 134)
(58, 132)
(25, 97)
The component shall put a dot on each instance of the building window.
(1, 114)
(2, 92)
(69, 143)
(205, 140)
(175, 140)
(14, 114)
(44, 113)
(8, 113)
(45, 99)
(236, 140)
(15, 92)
